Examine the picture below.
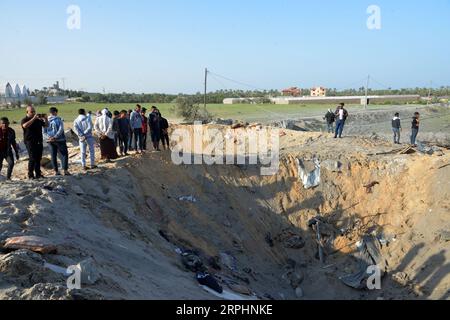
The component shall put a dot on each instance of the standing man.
(130, 134)
(83, 129)
(396, 128)
(33, 125)
(144, 129)
(136, 126)
(164, 124)
(415, 128)
(341, 115)
(330, 117)
(155, 127)
(104, 128)
(7, 145)
(124, 132)
(56, 139)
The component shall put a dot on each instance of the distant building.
(292, 92)
(13, 94)
(318, 92)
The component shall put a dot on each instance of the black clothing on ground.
(206, 279)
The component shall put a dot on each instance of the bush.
(186, 108)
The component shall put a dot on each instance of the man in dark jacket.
(164, 124)
(124, 132)
(7, 145)
(154, 123)
(341, 116)
(396, 128)
(330, 117)
(415, 128)
(32, 126)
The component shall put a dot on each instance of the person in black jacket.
(32, 126)
(396, 128)
(341, 117)
(7, 145)
(330, 117)
(154, 122)
(164, 124)
(415, 128)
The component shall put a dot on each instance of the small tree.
(186, 108)
(42, 99)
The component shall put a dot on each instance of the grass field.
(247, 112)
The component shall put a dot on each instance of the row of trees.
(220, 95)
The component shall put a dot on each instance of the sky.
(165, 45)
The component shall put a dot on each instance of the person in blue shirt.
(56, 139)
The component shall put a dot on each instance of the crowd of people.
(116, 132)
(336, 122)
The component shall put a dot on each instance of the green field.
(247, 112)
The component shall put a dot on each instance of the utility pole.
(64, 83)
(367, 93)
(206, 85)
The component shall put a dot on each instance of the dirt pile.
(149, 225)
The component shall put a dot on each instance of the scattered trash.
(369, 255)
(57, 269)
(309, 178)
(444, 235)
(191, 199)
(209, 281)
(230, 296)
(240, 289)
(290, 240)
(331, 165)
(32, 243)
(401, 278)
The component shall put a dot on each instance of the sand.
(116, 215)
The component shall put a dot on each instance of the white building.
(11, 95)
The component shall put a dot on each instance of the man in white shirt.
(341, 115)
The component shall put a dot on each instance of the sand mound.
(149, 225)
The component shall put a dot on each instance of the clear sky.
(164, 45)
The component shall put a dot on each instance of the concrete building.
(318, 92)
(292, 92)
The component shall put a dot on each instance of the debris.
(32, 243)
(46, 163)
(190, 198)
(309, 178)
(89, 272)
(209, 281)
(331, 165)
(237, 125)
(291, 240)
(315, 225)
(192, 262)
(294, 277)
(369, 187)
(401, 278)
(369, 255)
(444, 235)
(57, 269)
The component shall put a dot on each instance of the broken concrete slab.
(32, 243)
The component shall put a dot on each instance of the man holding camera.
(32, 126)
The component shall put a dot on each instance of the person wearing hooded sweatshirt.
(7, 145)
(56, 139)
(396, 128)
(83, 129)
(330, 117)
(104, 129)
